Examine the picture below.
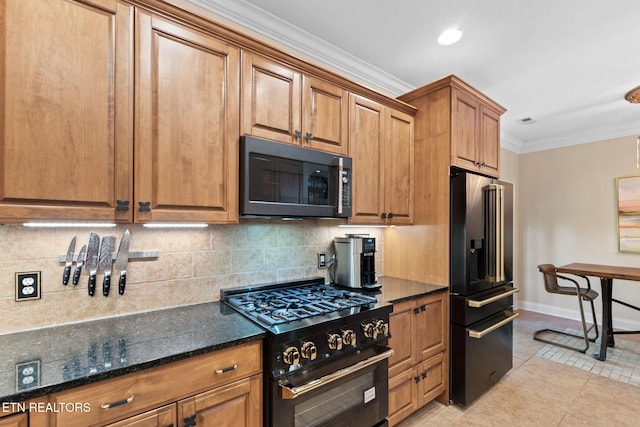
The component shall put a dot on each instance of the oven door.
(355, 396)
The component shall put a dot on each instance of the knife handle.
(76, 275)
(122, 282)
(66, 274)
(92, 284)
(106, 284)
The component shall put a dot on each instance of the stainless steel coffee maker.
(356, 261)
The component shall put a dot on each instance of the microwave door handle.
(340, 184)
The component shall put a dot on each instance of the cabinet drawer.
(161, 417)
(115, 399)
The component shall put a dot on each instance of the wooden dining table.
(606, 273)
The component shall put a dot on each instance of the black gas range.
(325, 355)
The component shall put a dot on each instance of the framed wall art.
(628, 189)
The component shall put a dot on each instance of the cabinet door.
(490, 142)
(271, 99)
(161, 417)
(432, 377)
(398, 170)
(402, 328)
(66, 116)
(236, 404)
(431, 327)
(17, 420)
(366, 140)
(465, 113)
(402, 396)
(325, 116)
(187, 131)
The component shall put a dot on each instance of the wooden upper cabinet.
(366, 135)
(271, 103)
(325, 116)
(281, 104)
(381, 145)
(187, 124)
(458, 120)
(475, 134)
(399, 164)
(66, 113)
(475, 128)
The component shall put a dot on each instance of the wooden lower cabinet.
(16, 420)
(237, 405)
(213, 387)
(418, 370)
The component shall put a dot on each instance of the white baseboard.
(618, 323)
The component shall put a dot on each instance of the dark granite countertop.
(397, 290)
(67, 356)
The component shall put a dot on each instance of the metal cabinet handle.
(297, 134)
(416, 379)
(309, 136)
(480, 334)
(481, 303)
(118, 403)
(424, 375)
(227, 369)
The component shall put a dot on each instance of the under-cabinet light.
(174, 225)
(68, 224)
(364, 226)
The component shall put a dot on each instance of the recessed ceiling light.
(449, 36)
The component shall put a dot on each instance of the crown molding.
(588, 135)
(259, 21)
(511, 143)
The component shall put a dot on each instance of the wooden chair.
(551, 285)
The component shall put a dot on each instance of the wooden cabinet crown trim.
(452, 81)
(247, 42)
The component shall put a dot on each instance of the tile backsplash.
(192, 266)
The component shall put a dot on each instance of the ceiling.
(566, 64)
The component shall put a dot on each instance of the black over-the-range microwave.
(284, 180)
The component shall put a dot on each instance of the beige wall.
(510, 172)
(192, 267)
(568, 213)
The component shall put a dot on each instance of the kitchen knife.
(92, 261)
(106, 260)
(121, 261)
(69, 261)
(79, 262)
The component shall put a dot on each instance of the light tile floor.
(548, 387)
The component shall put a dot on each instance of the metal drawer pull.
(480, 334)
(478, 304)
(223, 370)
(293, 392)
(118, 403)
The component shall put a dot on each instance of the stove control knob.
(291, 356)
(309, 350)
(382, 327)
(370, 330)
(335, 342)
(348, 337)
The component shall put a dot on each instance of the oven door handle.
(289, 392)
(479, 334)
(482, 303)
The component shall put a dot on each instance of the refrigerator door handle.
(482, 303)
(479, 334)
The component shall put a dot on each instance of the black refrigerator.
(481, 284)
